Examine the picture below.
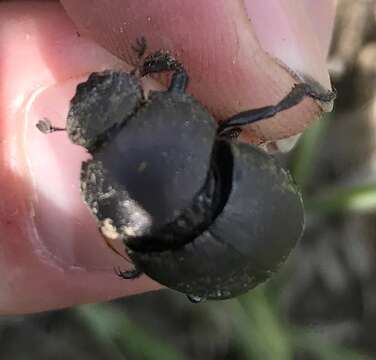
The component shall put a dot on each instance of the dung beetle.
(197, 210)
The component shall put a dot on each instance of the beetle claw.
(128, 274)
(195, 299)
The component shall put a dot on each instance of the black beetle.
(198, 211)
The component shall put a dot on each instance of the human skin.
(237, 54)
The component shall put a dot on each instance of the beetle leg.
(294, 97)
(128, 274)
(112, 248)
(195, 299)
(179, 81)
(161, 61)
(231, 134)
(140, 47)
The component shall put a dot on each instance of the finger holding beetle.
(240, 55)
(52, 255)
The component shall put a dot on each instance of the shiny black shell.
(206, 216)
(246, 243)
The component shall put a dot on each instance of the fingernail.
(63, 224)
(284, 30)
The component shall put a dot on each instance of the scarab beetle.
(198, 211)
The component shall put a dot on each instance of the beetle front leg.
(162, 61)
(294, 97)
(140, 47)
(179, 82)
(158, 62)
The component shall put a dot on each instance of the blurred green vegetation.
(359, 198)
(259, 333)
(115, 332)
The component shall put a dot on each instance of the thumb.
(240, 55)
(51, 254)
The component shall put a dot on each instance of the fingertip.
(52, 255)
(220, 47)
(288, 31)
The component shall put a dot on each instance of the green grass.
(360, 198)
(263, 334)
(306, 151)
(120, 336)
(260, 332)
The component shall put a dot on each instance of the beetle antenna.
(45, 126)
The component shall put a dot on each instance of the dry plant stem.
(354, 21)
(366, 96)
